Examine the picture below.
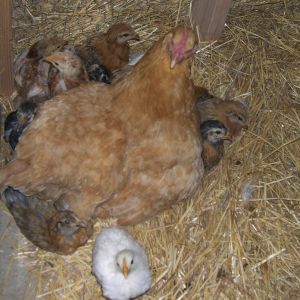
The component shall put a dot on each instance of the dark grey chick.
(17, 121)
(213, 133)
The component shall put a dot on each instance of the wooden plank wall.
(6, 51)
(209, 17)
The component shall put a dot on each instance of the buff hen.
(128, 150)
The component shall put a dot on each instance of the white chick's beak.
(125, 269)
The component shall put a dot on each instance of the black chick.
(44, 225)
(213, 134)
(17, 121)
(98, 72)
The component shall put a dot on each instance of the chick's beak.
(227, 138)
(125, 269)
(53, 57)
(136, 37)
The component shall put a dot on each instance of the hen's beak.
(125, 269)
(173, 63)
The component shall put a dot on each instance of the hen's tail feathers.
(44, 226)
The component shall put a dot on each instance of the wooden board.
(209, 17)
(16, 280)
(6, 61)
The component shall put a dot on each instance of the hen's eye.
(126, 34)
(218, 132)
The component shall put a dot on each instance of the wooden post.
(209, 16)
(6, 60)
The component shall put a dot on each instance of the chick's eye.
(126, 34)
(218, 132)
(131, 262)
(237, 117)
(240, 118)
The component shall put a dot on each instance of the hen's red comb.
(179, 48)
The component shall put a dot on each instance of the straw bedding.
(240, 237)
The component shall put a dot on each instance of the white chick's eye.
(131, 262)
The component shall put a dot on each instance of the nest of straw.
(240, 237)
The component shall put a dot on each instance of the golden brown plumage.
(31, 72)
(131, 148)
(233, 114)
(68, 71)
(110, 49)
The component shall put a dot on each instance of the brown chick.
(35, 218)
(233, 114)
(70, 71)
(110, 49)
(131, 148)
(213, 134)
(31, 72)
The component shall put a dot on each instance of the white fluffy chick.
(120, 265)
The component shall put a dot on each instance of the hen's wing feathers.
(70, 134)
(162, 172)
